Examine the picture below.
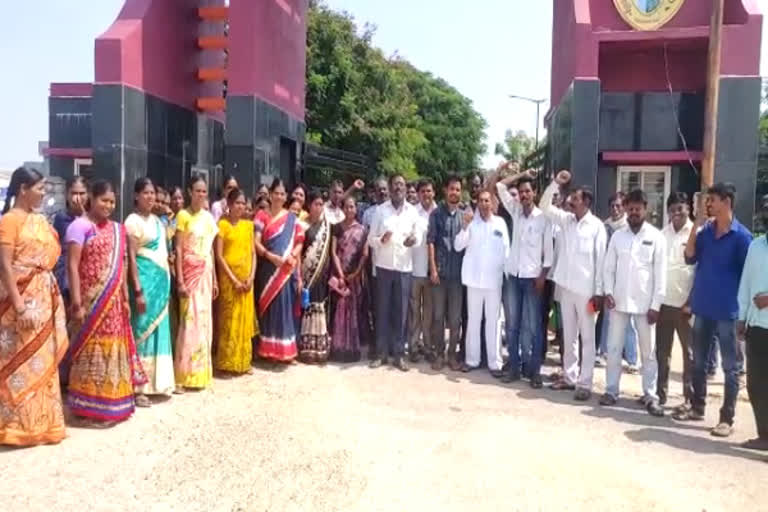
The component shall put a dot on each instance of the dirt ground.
(340, 438)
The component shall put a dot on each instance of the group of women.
(119, 314)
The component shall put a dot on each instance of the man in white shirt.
(580, 280)
(675, 313)
(334, 212)
(486, 241)
(420, 313)
(394, 231)
(381, 195)
(635, 280)
(525, 275)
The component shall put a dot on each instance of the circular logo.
(647, 14)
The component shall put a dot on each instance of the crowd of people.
(113, 315)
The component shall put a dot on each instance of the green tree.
(358, 100)
(516, 146)
(455, 132)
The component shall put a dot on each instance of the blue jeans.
(712, 358)
(522, 318)
(704, 332)
(630, 339)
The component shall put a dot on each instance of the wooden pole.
(713, 93)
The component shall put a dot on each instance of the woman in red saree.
(278, 239)
(104, 364)
(33, 332)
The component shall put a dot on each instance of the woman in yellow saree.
(236, 260)
(33, 331)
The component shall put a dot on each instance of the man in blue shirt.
(445, 274)
(718, 249)
(753, 320)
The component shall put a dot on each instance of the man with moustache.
(580, 282)
(445, 275)
(675, 313)
(718, 250)
(394, 231)
(530, 258)
(485, 239)
(635, 280)
(420, 312)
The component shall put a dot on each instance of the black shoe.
(582, 395)
(607, 400)
(510, 377)
(654, 409)
(536, 382)
(400, 364)
(415, 358)
(497, 374)
(662, 400)
(375, 363)
(758, 443)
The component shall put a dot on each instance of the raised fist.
(563, 178)
(468, 216)
(359, 184)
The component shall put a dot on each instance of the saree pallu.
(152, 329)
(30, 397)
(349, 320)
(192, 358)
(235, 309)
(314, 341)
(276, 319)
(104, 365)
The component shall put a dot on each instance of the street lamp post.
(538, 111)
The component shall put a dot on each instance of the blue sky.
(486, 48)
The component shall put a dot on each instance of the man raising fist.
(584, 241)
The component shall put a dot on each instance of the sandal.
(688, 415)
(179, 390)
(143, 401)
(562, 385)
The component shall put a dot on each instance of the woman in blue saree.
(278, 239)
(150, 290)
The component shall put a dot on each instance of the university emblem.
(648, 14)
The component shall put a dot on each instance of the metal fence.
(321, 165)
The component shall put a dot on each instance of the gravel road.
(343, 438)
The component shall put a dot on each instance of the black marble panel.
(107, 123)
(737, 140)
(584, 132)
(606, 186)
(69, 122)
(261, 142)
(617, 122)
(134, 118)
(138, 135)
(61, 166)
(646, 121)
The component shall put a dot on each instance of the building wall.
(636, 112)
(267, 57)
(266, 90)
(152, 47)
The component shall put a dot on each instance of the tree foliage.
(516, 146)
(403, 119)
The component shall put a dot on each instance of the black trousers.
(671, 320)
(757, 377)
